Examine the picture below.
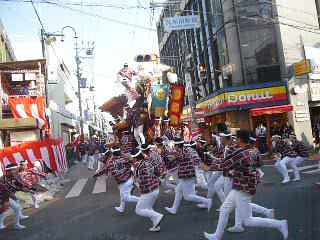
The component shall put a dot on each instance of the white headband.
(12, 167)
(178, 142)
(225, 134)
(136, 155)
(115, 150)
(253, 139)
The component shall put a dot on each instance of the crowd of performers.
(228, 167)
(24, 178)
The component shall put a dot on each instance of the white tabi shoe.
(2, 226)
(236, 229)
(171, 210)
(286, 180)
(284, 229)
(119, 209)
(19, 226)
(209, 204)
(210, 236)
(201, 205)
(23, 217)
(296, 179)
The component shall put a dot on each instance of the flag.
(160, 98)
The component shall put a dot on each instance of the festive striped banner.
(50, 152)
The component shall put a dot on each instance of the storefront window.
(258, 41)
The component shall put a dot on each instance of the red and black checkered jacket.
(119, 167)
(127, 143)
(169, 158)
(300, 148)
(32, 176)
(244, 174)
(157, 160)
(15, 184)
(284, 148)
(146, 174)
(186, 162)
(134, 118)
(4, 193)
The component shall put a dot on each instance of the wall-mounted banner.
(51, 152)
(181, 22)
(176, 103)
(245, 97)
(160, 98)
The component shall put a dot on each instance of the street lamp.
(77, 58)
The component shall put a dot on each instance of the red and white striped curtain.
(50, 152)
(29, 107)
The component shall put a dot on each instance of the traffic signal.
(146, 58)
(202, 68)
(202, 71)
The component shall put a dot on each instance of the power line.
(36, 12)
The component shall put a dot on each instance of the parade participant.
(186, 159)
(245, 181)
(170, 164)
(154, 156)
(215, 186)
(103, 160)
(202, 177)
(167, 130)
(31, 177)
(84, 152)
(303, 153)
(127, 142)
(14, 183)
(261, 133)
(135, 121)
(287, 155)
(4, 199)
(257, 163)
(93, 150)
(146, 175)
(119, 167)
(157, 127)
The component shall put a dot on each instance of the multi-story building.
(6, 50)
(244, 51)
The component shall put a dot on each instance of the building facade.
(244, 51)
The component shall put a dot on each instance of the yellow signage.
(302, 67)
(245, 97)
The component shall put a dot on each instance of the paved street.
(84, 210)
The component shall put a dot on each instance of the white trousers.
(15, 205)
(84, 158)
(125, 193)
(255, 208)
(294, 162)
(167, 185)
(201, 178)
(241, 200)
(145, 204)
(215, 185)
(186, 189)
(91, 162)
(138, 135)
(227, 185)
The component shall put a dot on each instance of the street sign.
(302, 67)
(181, 22)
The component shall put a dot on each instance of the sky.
(115, 43)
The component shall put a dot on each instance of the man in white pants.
(288, 157)
(170, 164)
(119, 167)
(245, 181)
(202, 177)
(186, 157)
(14, 183)
(146, 175)
(302, 152)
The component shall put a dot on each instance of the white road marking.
(313, 171)
(100, 185)
(306, 167)
(77, 188)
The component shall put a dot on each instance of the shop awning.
(270, 110)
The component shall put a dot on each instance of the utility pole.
(44, 55)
